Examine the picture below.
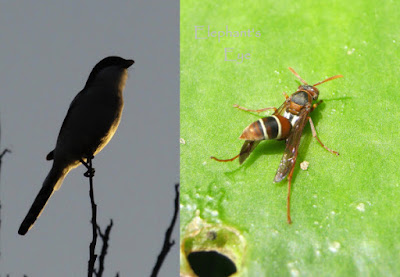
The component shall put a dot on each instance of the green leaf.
(344, 209)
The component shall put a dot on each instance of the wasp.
(286, 123)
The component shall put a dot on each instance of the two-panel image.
(199, 138)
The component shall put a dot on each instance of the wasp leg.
(256, 111)
(316, 105)
(314, 133)
(289, 220)
(247, 148)
(227, 160)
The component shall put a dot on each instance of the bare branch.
(1, 159)
(96, 228)
(105, 238)
(167, 241)
(92, 256)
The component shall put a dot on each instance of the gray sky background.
(46, 54)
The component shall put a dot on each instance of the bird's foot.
(89, 173)
(90, 170)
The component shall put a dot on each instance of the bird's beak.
(128, 63)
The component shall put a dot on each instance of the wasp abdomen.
(271, 127)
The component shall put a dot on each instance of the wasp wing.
(292, 146)
(247, 148)
(281, 110)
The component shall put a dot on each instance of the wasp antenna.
(329, 79)
(297, 75)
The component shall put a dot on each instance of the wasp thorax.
(300, 97)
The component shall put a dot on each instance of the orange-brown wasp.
(286, 123)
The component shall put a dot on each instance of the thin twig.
(1, 159)
(1, 156)
(105, 238)
(167, 241)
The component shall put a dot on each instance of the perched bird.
(90, 123)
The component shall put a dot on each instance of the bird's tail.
(52, 182)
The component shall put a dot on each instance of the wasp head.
(311, 90)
